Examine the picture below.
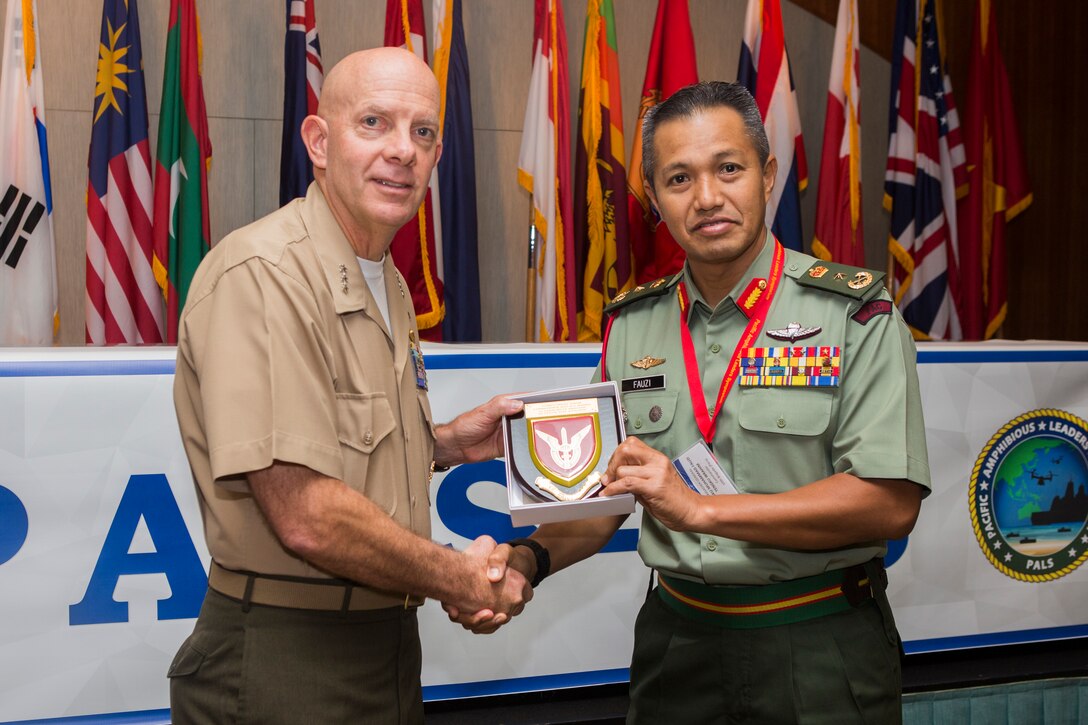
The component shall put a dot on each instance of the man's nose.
(708, 193)
(399, 147)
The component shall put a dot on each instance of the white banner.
(102, 557)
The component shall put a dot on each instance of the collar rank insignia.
(793, 332)
(648, 362)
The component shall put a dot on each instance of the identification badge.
(639, 385)
(702, 472)
(814, 367)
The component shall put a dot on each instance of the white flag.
(28, 271)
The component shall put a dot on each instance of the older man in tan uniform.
(302, 400)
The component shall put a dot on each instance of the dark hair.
(688, 101)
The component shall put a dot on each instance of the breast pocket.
(784, 438)
(364, 421)
(649, 415)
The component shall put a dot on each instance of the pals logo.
(1028, 496)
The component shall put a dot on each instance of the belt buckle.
(856, 586)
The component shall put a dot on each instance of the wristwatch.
(543, 559)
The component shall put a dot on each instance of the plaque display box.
(563, 458)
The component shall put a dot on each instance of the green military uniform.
(862, 417)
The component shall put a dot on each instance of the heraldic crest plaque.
(558, 446)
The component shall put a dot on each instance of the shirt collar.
(338, 261)
(760, 268)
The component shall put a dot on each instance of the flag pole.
(530, 281)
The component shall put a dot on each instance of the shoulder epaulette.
(650, 289)
(842, 279)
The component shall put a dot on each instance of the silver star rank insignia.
(793, 332)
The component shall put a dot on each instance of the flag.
(838, 198)
(302, 78)
(998, 187)
(925, 170)
(764, 70)
(601, 244)
(28, 270)
(544, 171)
(417, 246)
(183, 158)
(457, 178)
(669, 67)
(124, 303)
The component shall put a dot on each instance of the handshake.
(498, 589)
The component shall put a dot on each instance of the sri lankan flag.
(601, 245)
(181, 220)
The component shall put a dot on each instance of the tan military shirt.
(283, 355)
(771, 438)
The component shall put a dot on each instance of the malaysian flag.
(925, 169)
(302, 77)
(764, 70)
(124, 303)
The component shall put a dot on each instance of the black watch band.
(543, 559)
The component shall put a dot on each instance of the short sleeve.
(260, 352)
(881, 432)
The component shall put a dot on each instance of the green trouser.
(273, 665)
(836, 669)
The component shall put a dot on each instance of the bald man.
(301, 396)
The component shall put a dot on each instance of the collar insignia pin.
(861, 280)
(793, 332)
(344, 278)
(648, 362)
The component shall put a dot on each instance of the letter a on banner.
(147, 497)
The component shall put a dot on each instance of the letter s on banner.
(466, 519)
(148, 497)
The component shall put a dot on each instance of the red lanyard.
(756, 306)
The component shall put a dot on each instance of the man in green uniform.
(799, 378)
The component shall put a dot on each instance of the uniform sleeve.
(881, 432)
(261, 355)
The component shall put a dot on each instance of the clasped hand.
(499, 593)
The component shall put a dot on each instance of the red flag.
(417, 246)
(670, 67)
(838, 200)
(998, 183)
(544, 171)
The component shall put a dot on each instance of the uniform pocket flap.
(790, 410)
(364, 420)
(649, 412)
(186, 661)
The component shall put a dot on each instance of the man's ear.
(315, 134)
(649, 189)
(770, 170)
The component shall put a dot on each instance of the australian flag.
(926, 168)
(302, 79)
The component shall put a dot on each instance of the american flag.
(124, 303)
(302, 78)
(926, 167)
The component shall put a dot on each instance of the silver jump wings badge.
(793, 332)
